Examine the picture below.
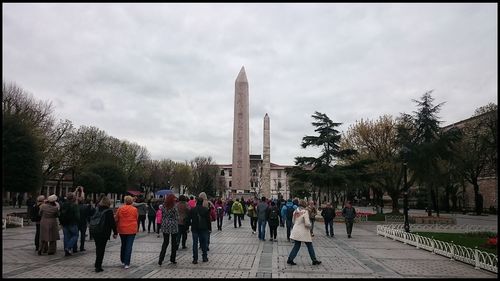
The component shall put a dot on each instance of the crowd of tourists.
(172, 218)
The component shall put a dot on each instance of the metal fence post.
(452, 250)
(433, 242)
(476, 258)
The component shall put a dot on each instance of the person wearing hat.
(35, 211)
(49, 227)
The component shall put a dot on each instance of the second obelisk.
(241, 139)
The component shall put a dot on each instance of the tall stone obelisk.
(266, 163)
(241, 141)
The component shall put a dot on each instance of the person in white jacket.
(301, 233)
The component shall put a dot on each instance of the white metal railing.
(479, 259)
(15, 220)
(452, 228)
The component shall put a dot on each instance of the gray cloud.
(165, 72)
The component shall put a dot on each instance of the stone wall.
(488, 188)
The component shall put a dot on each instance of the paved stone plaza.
(237, 253)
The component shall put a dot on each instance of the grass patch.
(470, 240)
(376, 217)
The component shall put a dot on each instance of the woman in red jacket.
(126, 223)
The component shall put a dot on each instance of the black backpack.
(98, 222)
(289, 212)
(273, 215)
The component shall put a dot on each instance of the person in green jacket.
(237, 210)
(252, 213)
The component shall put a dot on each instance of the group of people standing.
(173, 217)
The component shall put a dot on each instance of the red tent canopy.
(134, 192)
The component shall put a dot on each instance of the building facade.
(279, 180)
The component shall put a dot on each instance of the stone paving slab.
(237, 253)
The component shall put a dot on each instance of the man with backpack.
(273, 219)
(100, 226)
(237, 211)
(287, 215)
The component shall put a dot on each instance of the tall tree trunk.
(429, 201)
(477, 200)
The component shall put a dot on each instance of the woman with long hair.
(169, 228)
(101, 239)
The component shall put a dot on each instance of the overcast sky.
(163, 75)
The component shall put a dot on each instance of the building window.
(230, 183)
(279, 185)
(254, 172)
(230, 172)
(222, 172)
(279, 174)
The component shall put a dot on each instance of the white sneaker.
(253, 232)
(126, 267)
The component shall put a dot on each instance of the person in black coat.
(101, 239)
(199, 219)
(328, 214)
(85, 214)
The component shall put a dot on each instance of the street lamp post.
(405, 202)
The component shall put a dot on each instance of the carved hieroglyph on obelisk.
(241, 141)
(266, 163)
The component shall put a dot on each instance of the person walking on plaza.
(252, 213)
(20, 198)
(69, 219)
(183, 209)
(262, 208)
(287, 215)
(237, 210)
(142, 209)
(30, 203)
(349, 214)
(213, 215)
(169, 228)
(158, 220)
(152, 215)
(199, 219)
(126, 223)
(244, 205)
(229, 205)
(219, 208)
(85, 214)
(101, 239)
(35, 217)
(300, 233)
(273, 218)
(49, 228)
(311, 209)
(192, 202)
(328, 214)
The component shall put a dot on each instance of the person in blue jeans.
(199, 219)
(328, 214)
(69, 218)
(126, 224)
(301, 233)
(262, 218)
